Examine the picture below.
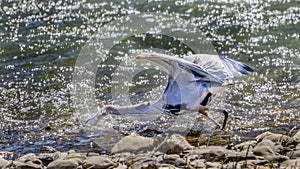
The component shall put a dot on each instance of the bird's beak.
(145, 56)
(140, 57)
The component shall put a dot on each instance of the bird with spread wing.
(193, 80)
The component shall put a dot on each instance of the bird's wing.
(222, 67)
(199, 73)
(235, 68)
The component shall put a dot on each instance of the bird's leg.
(225, 119)
(203, 110)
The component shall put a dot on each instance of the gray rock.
(167, 166)
(215, 165)
(5, 163)
(291, 164)
(133, 144)
(76, 156)
(59, 155)
(294, 154)
(174, 159)
(198, 163)
(45, 158)
(145, 162)
(283, 139)
(297, 146)
(232, 165)
(121, 166)
(215, 155)
(47, 149)
(175, 144)
(27, 165)
(63, 164)
(244, 146)
(27, 157)
(211, 153)
(296, 137)
(252, 163)
(98, 162)
(240, 156)
(278, 148)
(122, 157)
(277, 158)
(264, 148)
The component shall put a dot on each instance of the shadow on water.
(40, 42)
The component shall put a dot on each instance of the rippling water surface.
(40, 43)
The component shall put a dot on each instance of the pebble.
(269, 150)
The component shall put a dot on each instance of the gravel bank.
(267, 150)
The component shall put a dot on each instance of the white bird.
(194, 79)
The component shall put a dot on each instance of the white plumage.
(194, 79)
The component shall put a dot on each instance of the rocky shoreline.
(268, 150)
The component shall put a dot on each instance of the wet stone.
(291, 164)
(296, 137)
(176, 144)
(121, 166)
(252, 163)
(63, 164)
(76, 156)
(98, 162)
(147, 163)
(264, 148)
(198, 163)
(174, 159)
(167, 166)
(213, 165)
(59, 155)
(273, 137)
(244, 145)
(27, 165)
(215, 155)
(277, 158)
(211, 153)
(297, 147)
(27, 157)
(294, 154)
(4, 163)
(239, 156)
(47, 149)
(45, 158)
(232, 165)
(133, 144)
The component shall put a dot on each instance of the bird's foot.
(203, 110)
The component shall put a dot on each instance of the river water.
(45, 47)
